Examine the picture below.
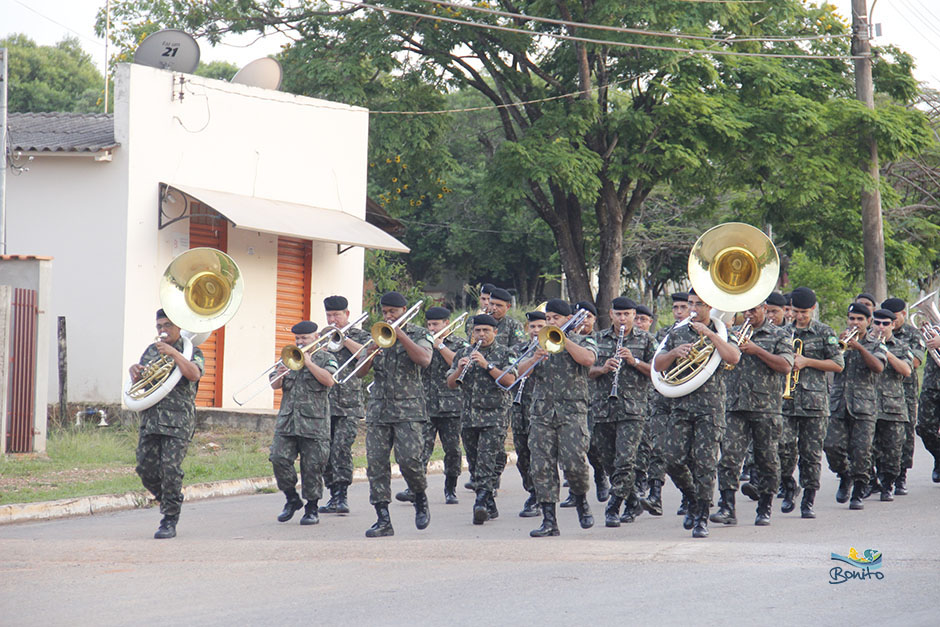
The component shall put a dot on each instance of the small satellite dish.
(264, 72)
(169, 49)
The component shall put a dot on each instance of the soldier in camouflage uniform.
(853, 407)
(396, 415)
(558, 432)
(644, 318)
(619, 415)
(484, 303)
(928, 408)
(302, 426)
(753, 413)
(485, 408)
(167, 427)
(806, 413)
(521, 403)
(346, 409)
(697, 422)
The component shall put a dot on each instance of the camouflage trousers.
(690, 451)
(486, 445)
(448, 428)
(617, 444)
(802, 443)
(159, 464)
(593, 454)
(559, 439)
(313, 454)
(888, 444)
(910, 430)
(649, 456)
(742, 428)
(500, 460)
(848, 445)
(407, 439)
(339, 467)
(520, 443)
(928, 421)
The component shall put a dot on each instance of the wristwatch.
(489, 367)
(440, 346)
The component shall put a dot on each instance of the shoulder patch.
(832, 339)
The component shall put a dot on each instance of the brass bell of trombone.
(552, 339)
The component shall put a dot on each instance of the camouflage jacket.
(890, 387)
(175, 413)
(346, 399)
(915, 342)
(440, 399)
(485, 404)
(811, 396)
(398, 393)
(633, 385)
(305, 405)
(931, 376)
(510, 333)
(853, 389)
(560, 379)
(710, 397)
(656, 402)
(753, 385)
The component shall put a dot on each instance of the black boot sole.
(380, 533)
(480, 515)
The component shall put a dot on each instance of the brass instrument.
(152, 374)
(466, 367)
(383, 336)
(926, 308)
(850, 334)
(793, 377)
(744, 336)
(450, 328)
(551, 339)
(615, 388)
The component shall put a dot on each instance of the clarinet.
(517, 400)
(469, 363)
(615, 388)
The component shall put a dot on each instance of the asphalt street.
(232, 563)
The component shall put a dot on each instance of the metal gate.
(21, 414)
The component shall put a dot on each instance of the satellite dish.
(264, 72)
(169, 49)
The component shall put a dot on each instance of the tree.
(222, 70)
(51, 78)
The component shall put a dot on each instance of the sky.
(913, 25)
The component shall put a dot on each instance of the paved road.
(233, 564)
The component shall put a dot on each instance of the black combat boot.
(725, 514)
(342, 504)
(569, 501)
(689, 521)
(684, 507)
(530, 508)
(549, 523)
(450, 491)
(603, 486)
(935, 475)
(806, 506)
(470, 485)
(887, 482)
(481, 512)
(700, 529)
(871, 487)
(764, 506)
(293, 504)
(631, 509)
(842, 494)
(782, 489)
(584, 511)
(167, 528)
(612, 511)
(383, 524)
(422, 513)
(653, 503)
(900, 484)
(491, 506)
(749, 490)
(405, 496)
(745, 474)
(858, 488)
(790, 491)
(330, 507)
(310, 517)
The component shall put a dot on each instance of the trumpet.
(793, 377)
(466, 368)
(551, 339)
(850, 334)
(450, 328)
(744, 336)
(383, 336)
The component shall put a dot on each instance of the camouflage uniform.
(753, 410)
(510, 333)
(618, 422)
(395, 417)
(558, 431)
(892, 413)
(853, 407)
(165, 432)
(443, 406)
(806, 415)
(484, 411)
(650, 454)
(519, 419)
(303, 428)
(915, 341)
(928, 411)
(346, 410)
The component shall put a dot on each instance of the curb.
(104, 503)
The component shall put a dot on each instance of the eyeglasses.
(882, 323)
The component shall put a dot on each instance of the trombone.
(551, 339)
(383, 336)
(793, 377)
(450, 328)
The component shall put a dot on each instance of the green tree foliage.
(222, 70)
(52, 78)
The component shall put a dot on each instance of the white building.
(277, 181)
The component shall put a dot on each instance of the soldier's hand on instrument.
(135, 372)
(683, 350)
(699, 328)
(165, 349)
(627, 355)
(541, 353)
(799, 362)
(933, 343)
(462, 362)
(749, 348)
(478, 358)
(611, 364)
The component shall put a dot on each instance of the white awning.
(294, 220)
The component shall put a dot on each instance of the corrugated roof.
(61, 132)
(24, 257)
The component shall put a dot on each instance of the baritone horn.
(926, 310)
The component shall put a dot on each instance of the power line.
(46, 17)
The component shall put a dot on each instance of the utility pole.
(872, 224)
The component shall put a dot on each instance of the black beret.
(485, 319)
(161, 314)
(437, 313)
(644, 310)
(500, 294)
(885, 314)
(622, 302)
(335, 303)
(393, 299)
(866, 295)
(858, 308)
(803, 298)
(789, 298)
(487, 288)
(302, 328)
(535, 315)
(691, 292)
(894, 304)
(558, 306)
(586, 304)
(776, 299)
(680, 297)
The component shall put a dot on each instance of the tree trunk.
(610, 262)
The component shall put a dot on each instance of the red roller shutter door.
(294, 267)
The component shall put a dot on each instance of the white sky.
(913, 25)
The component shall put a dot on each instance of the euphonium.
(926, 308)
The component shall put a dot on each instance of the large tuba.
(732, 267)
(200, 291)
